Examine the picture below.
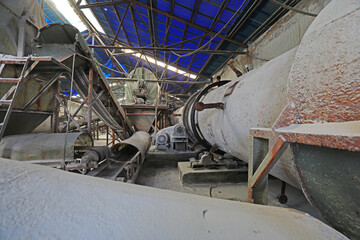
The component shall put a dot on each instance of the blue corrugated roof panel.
(188, 19)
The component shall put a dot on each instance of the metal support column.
(107, 135)
(55, 113)
(260, 163)
(90, 100)
(258, 150)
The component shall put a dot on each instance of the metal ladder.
(14, 89)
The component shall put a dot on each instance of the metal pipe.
(165, 49)
(140, 140)
(40, 197)
(309, 96)
(151, 80)
(246, 106)
(49, 149)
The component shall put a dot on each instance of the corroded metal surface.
(12, 14)
(324, 81)
(322, 115)
(341, 135)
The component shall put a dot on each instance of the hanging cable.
(217, 34)
(292, 9)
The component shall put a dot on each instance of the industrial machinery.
(300, 111)
(32, 66)
(45, 65)
(125, 161)
(308, 99)
(141, 91)
(172, 138)
(140, 102)
(55, 150)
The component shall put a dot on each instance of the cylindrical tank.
(316, 82)
(314, 89)
(42, 203)
(255, 99)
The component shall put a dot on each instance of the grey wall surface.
(280, 38)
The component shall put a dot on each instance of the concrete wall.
(284, 35)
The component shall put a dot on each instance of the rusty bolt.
(200, 106)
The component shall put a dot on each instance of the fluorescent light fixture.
(64, 7)
(160, 63)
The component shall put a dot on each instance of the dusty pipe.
(301, 86)
(321, 98)
(255, 99)
(139, 140)
(38, 202)
(52, 148)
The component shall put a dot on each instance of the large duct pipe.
(139, 140)
(54, 149)
(38, 202)
(310, 97)
(255, 99)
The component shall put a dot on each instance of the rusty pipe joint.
(200, 106)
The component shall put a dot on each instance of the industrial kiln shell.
(256, 101)
(319, 87)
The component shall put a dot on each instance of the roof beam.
(241, 23)
(52, 9)
(151, 80)
(211, 33)
(102, 4)
(188, 40)
(166, 49)
(129, 47)
(134, 22)
(220, 11)
(192, 18)
(107, 20)
(121, 25)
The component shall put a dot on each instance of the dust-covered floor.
(169, 178)
(166, 176)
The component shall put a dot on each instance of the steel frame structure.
(132, 8)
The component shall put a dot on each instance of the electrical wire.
(217, 34)
(292, 8)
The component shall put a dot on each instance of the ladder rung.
(2, 66)
(9, 80)
(5, 102)
(13, 61)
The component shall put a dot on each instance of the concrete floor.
(168, 178)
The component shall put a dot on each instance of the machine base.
(221, 175)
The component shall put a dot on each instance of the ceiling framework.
(173, 33)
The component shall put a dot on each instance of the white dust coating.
(43, 203)
(349, 129)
